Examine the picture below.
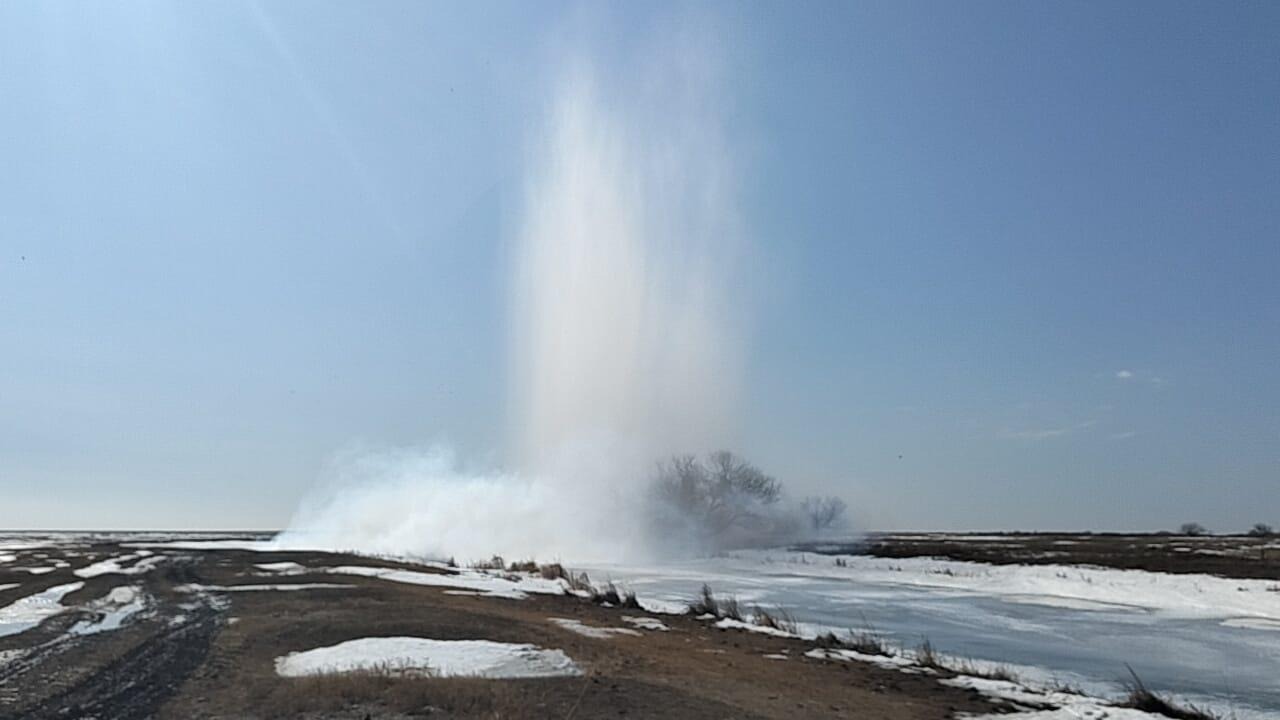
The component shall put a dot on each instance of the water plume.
(622, 347)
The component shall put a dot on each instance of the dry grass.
(1141, 698)
(494, 563)
(708, 604)
(610, 595)
(1062, 686)
(553, 571)
(990, 672)
(927, 656)
(777, 618)
(376, 692)
(865, 642)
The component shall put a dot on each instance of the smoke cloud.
(622, 346)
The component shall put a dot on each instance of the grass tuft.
(721, 608)
(778, 619)
(867, 643)
(1142, 698)
(611, 595)
(927, 656)
(494, 563)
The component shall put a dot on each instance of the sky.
(1014, 264)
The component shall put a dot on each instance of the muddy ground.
(1226, 556)
(200, 652)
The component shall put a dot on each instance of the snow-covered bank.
(1068, 586)
(438, 658)
(1206, 639)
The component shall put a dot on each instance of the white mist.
(622, 349)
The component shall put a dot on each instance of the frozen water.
(1075, 623)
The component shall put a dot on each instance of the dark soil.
(1226, 556)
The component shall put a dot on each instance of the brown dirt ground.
(1226, 556)
(212, 656)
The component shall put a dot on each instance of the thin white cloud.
(1144, 376)
(1123, 435)
(1047, 433)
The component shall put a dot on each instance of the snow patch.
(645, 623)
(489, 585)
(113, 610)
(664, 607)
(1252, 623)
(30, 611)
(282, 568)
(731, 624)
(1060, 705)
(196, 588)
(115, 565)
(592, 631)
(438, 658)
(891, 662)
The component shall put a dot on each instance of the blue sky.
(1015, 262)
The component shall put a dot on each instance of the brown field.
(1234, 556)
(211, 654)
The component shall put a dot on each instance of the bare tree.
(823, 512)
(1192, 528)
(1261, 530)
(716, 496)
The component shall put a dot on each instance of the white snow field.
(439, 658)
(1212, 641)
(31, 610)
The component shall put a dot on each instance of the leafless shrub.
(823, 513)
(722, 501)
(1262, 530)
(527, 566)
(1192, 529)
(376, 693)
